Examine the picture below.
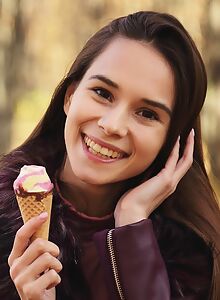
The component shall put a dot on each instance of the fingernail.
(193, 132)
(43, 215)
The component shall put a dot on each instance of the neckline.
(82, 215)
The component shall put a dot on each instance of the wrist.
(128, 218)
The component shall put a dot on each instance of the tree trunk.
(11, 58)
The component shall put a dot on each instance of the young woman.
(134, 215)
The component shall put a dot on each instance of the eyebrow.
(147, 101)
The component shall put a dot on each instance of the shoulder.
(172, 235)
(188, 258)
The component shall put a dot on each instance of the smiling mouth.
(100, 151)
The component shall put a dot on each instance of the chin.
(94, 180)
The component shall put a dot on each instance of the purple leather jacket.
(153, 259)
(159, 262)
(137, 270)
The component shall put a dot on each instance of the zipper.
(114, 264)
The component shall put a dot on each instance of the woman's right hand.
(34, 267)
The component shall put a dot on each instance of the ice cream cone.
(33, 190)
(30, 207)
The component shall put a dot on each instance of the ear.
(67, 99)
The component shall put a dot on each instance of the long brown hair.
(194, 202)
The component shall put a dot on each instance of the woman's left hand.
(140, 202)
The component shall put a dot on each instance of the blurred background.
(40, 39)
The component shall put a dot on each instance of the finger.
(42, 264)
(36, 249)
(174, 156)
(23, 236)
(187, 159)
(49, 280)
(36, 288)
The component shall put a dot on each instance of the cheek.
(75, 116)
(83, 109)
(148, 148)
(71, 127)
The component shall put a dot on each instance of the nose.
(114, 122)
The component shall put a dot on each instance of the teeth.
(97, 147)
(92, 144)
(114, 154)
(104, 151)
(110, 153)
(100, 151)
(92, 151)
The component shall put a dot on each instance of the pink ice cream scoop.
(32, 179)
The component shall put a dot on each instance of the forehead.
(137, 67)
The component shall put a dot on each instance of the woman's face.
(118, 115)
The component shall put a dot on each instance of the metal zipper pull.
(114, 264)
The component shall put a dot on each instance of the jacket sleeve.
(156, 260)
(139, 271)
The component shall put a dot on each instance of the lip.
(106, 145)
(97, 158)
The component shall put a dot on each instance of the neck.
(92, 200)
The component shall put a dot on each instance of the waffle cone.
(31, 207)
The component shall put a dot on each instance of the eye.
(148, 114)
(103, 93)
